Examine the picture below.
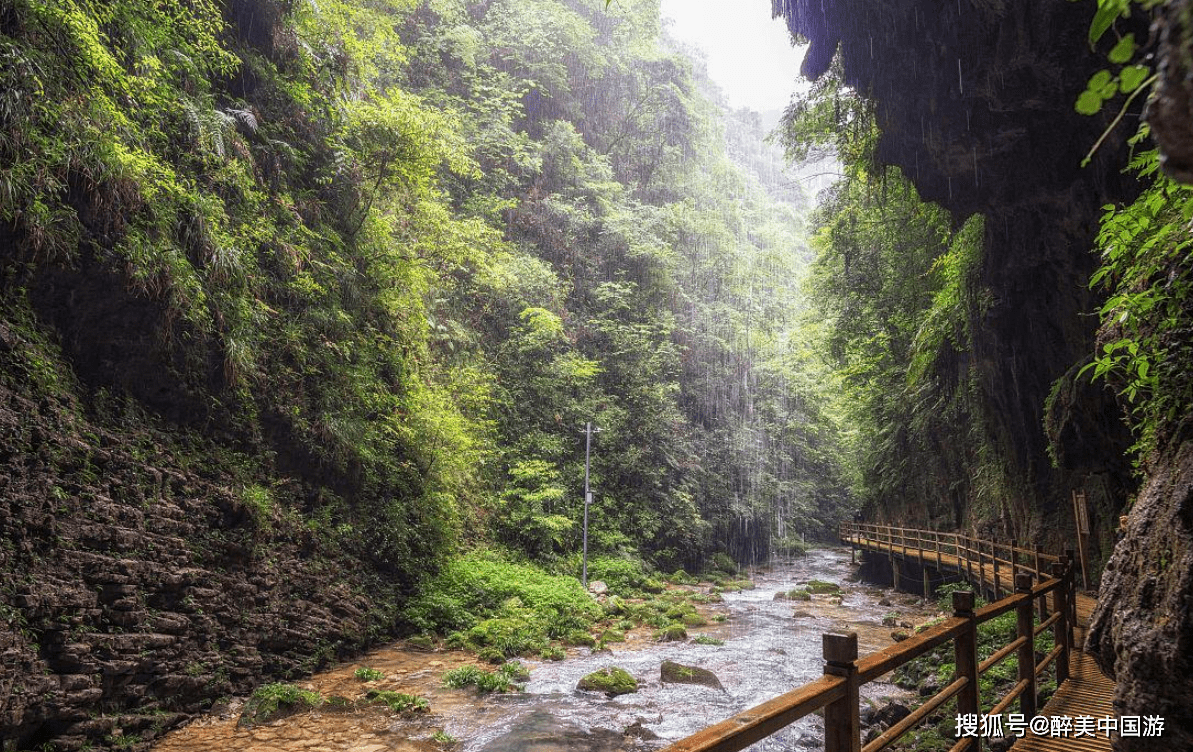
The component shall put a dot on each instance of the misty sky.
(749, 55)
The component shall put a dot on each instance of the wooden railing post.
(936, 536)
(1061, 631)
(1071, 601)
(1015, 562)
(965, 647)
(1027, 653)
(997, 584)
(982, 589)
(842, 726)
(968, 560)
(1040, 575)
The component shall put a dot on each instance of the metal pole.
(587, 496)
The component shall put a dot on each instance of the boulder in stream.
(820, 587)
(677, 673)
(671, 633)
(611, 680)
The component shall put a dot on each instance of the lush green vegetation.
(1144, 346)
(366, 674)
(398, 702)
(897, 284)
(271, 701)
(394, 256)
(503, 679)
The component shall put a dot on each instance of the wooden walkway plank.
(1088, 692)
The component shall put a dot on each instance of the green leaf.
(1098, 80)
(1133, 77)
(1124, 50)
(1108, 11)
(1089, 103)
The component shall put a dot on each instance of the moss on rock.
(611, 680)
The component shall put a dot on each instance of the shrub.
(553, 653)
(680, 577)
(366, 674)
(479, 585)
(275, 701)
(623, 576)
(722, 562)
(501, 680)
(397, 701)
(707, 640)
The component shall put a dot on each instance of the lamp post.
(588, 430)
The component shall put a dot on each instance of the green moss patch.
(611, 680)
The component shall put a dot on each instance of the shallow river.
(767, 651)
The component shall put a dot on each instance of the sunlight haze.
(750, 55)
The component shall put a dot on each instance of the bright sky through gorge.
(750, 55)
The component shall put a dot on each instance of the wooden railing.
(838, 691)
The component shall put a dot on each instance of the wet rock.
(890, 621)
(542, 732)
(1140, 626)
(800, 615)
(671, 633)
(421, 642)
(637, 730)
(899, 636)
(890, 714)
(677, 673)
(885, 602)
(820, 587)
(999, 743)
(611, 680)
(929, 686)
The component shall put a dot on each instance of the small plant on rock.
(366, 674)
(276, 701)
(397, 701)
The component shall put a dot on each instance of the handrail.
(837, 692)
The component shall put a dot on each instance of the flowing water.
(770, 647)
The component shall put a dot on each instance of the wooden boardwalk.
(1037, 588)
(1088, 692)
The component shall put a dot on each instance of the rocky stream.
(770, 646)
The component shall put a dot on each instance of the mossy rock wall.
(138, 585)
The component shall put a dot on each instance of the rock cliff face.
(136, 584)
(974, 99)
(1143, 629)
